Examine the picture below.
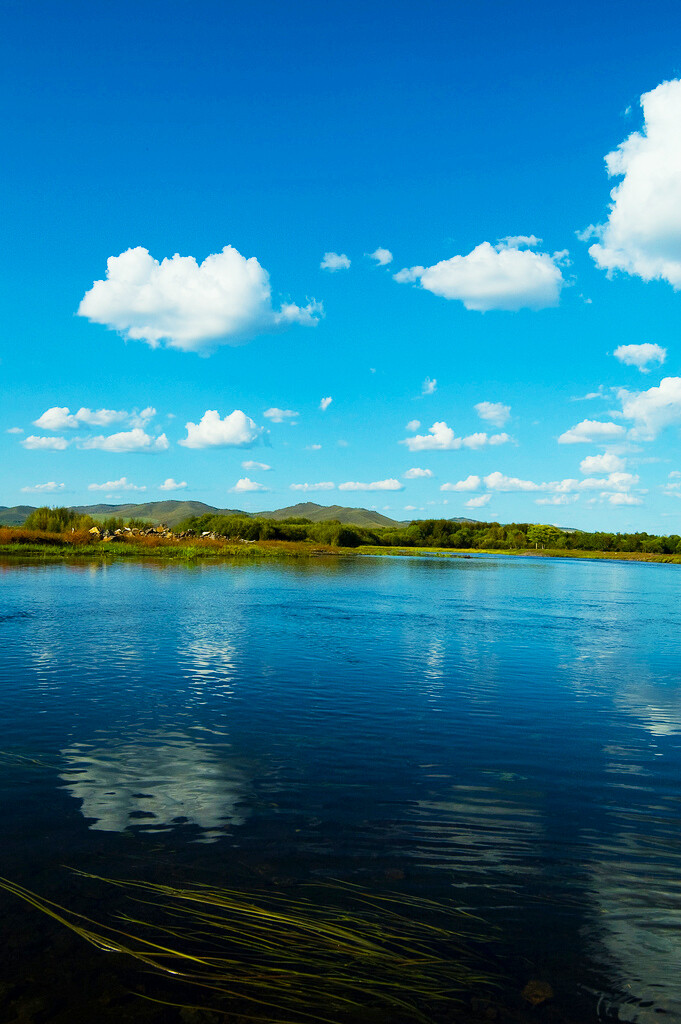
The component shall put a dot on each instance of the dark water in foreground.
(502, 734)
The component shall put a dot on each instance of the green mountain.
(322, 513)
(14, 516)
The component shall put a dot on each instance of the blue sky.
(463, 145)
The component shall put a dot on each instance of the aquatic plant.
(329, 952)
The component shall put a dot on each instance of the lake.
(499, 735)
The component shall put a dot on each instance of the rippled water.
(502, 733)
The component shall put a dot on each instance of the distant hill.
(14, 516)
(322, 513)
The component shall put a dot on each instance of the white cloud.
(235, 430)
(622, 499)
(189, 306)
(43, 488)
(135, 440)
(640, 355)
(500, 482)
(415, 473)
(592, 432)
(325, 403)
(441, 438)
(324, 485)
(493, 277)
(115, 485)
(172, 485)
(48, 444)
(515, 241)
(429, 387)
(61, 418)
(605, 463)
(245, 484)
(251, 465)
(335, 261)
(642, 235)
(382, 256)
(613, 482)
(654, 409)
(377, 485)
(14, 430)
(558, 499)
(280, 415)
(413, 424)
(493, 412)
(482, 499)
(471, 483)
(314, 447)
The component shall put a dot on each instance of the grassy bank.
(613, 556)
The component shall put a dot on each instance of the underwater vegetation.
(330, 953)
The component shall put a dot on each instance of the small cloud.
(56, 418)
(429, 387)
(415, 473)
(324, 485)
(325, 403)
(377, 485)
(640, 355)
(606, 463)
(135, 440)
(482, 499)
(382, 256)
(335, 261)
(172, 485)
(116, 485)
(243, 485)
(341, 444)
(471, 483)
(592, 432)
(43, 488)
(413, 425)
(519, 241)
(14, 430)
(236, 430)
(280, 415)
(442, 438)
(313, 447)
(249, 464)
(494, 412)
(47, 444)
(558, 499)
(621, 499)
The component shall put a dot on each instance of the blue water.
(500, 732)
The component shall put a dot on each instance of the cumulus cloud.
(429, 387)
(247, 485)
(324, 485)
(482, 499)
(61, 418)
(377, 485)
(494, 412)
(500, 482)
(500, 276)
(615, 481)
(471, 483)
(413, 424)
(280, 415)
(415, 473)
(558, 499)
(47, 444)
(172, 485)
(236, 430)
(640, 355)
(622, 499)
(642, 235)
(335, 261)
(116, 485)
(251, 465)
(382, 256)
(188, 305)
(135, 440)
(442, 438)
(608, 462)
(592, 432)
(43, 488)
(325, 403)
(652, 410)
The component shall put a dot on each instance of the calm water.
(500, 733)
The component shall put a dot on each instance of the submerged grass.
(334, 952)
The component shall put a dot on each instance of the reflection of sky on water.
(157, 780)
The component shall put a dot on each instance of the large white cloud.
(47, 444)
(652, 410)
(592, 432)
(135, 440)
(377, 485)
(189, 305)
(441, 438)
(642, 234)
(116, 485)
(471, 483)
(61, 418)
(235, 430)
(608, 462)
(640, 355)
(245, 484)
(498, 276)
